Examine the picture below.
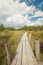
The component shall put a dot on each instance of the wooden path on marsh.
(24, 54)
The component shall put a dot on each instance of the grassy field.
(37, 35)
(11, 37)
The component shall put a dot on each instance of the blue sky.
(18, 13)
(37, 3)
(34, 2)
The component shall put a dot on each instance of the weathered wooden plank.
(8, 53)
(37, 49)
(19, 52)
(31, 58)
(24, 53)
(17, 60)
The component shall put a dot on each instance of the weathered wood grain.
(24, 53)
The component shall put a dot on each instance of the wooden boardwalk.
(24, 54)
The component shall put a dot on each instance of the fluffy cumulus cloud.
(12, 13)
(17, 21)
(10, 7)
(39, 13)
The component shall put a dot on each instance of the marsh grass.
(36, 35)
(12, 37)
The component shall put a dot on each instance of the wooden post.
(37, 49)
(8, 52)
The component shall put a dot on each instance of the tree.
(1, 27)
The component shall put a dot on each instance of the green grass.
(11, 37)
(41, 57)
(36, 35)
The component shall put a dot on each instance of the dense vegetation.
(31, 28)
(12, 36)
(37, 34)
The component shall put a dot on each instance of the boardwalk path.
(24, 53)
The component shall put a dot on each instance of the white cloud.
(15, 10)
(10, 7)
(17, 20)
(38, 22)
(39, 13)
